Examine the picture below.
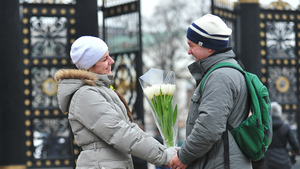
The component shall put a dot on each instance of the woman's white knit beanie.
(87, 50)
(209, 31)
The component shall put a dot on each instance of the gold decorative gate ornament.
(282, 84)
(280, 5)
(49, 86)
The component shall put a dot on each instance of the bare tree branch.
(164, 38)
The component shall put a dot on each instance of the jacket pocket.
(193, 111)
(114, 165)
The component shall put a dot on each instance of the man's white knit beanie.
(87, 50)
(276, 109)
(209, 31)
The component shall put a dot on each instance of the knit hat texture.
(209, 31)
(276, 109)
(86, 51)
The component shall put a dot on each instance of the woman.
(277, 155)
(101, 122)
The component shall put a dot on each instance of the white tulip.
(172, 89)
(149, 92)
(165, 89)
(156, 89)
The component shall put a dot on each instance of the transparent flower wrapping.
(159, 88)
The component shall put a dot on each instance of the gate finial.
(280, 5)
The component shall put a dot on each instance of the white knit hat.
(209, 31)
(276, 109)
(87, 50)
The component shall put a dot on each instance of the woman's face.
(103, 66)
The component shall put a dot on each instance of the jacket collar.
(200, 67)
(87, 77)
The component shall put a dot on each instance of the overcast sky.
(148, 5)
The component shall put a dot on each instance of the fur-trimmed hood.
(87, 77)
(70, 80)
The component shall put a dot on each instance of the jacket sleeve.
(293, 140)
(211, 117)
(98, 112)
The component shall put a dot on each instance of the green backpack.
(254, 134)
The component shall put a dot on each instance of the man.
(224, 99)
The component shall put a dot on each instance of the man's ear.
(211, 51)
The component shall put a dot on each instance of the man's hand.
(175, 163)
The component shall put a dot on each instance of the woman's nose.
(111, 60)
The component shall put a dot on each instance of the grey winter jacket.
(100, 124)
(224, 98)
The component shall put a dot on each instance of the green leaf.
(175, 115)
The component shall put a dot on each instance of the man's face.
(198, 52)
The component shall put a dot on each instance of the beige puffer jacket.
(100, 124)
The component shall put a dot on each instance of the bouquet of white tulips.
(159, 88)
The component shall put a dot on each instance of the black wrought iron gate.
(35, 41)
(121, 30)
(34, 132)
(48, 29)
(267, 42)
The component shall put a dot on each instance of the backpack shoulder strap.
(219, 65)
(228, 126)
